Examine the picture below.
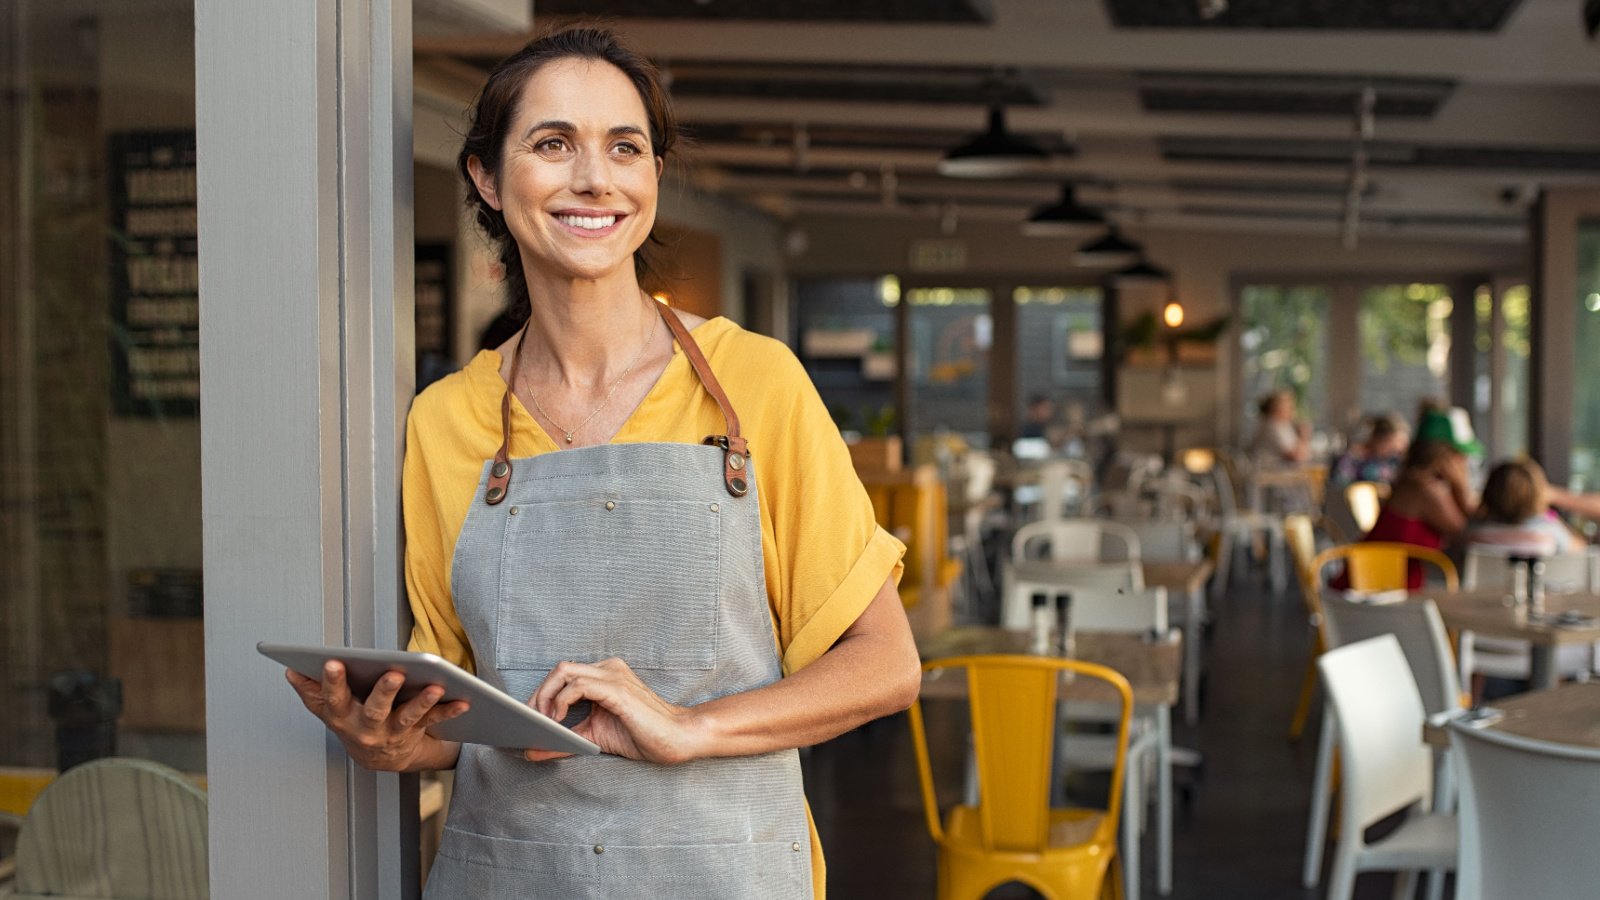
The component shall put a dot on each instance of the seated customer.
(1431, 502)
(1515, 514)
(1281, 439)
(1375, 458)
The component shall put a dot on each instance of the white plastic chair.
(1075, 540)
(977, 473)
(1385, 767)
(1164, 540)
(1239, 523)
(1529, 813)
(1137, 612)
(1490, 567)
(1420, 632)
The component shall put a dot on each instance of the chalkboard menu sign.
(155, 275)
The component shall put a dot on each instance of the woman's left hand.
(628, 719)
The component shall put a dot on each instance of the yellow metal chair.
(1013, 833)
(1383, 565)
(1301, 538)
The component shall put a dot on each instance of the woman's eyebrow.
(565, 126)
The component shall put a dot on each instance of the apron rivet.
(515, 510)
(739, 487)
(736, 461)
(599, 848)
(716, 507)
(610, 505)
(500, 469)
(495, 493)
(795, 846)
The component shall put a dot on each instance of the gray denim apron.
(650, 553)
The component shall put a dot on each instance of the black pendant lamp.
(1109, 249)
(1142, 270)
(1065, 216)
(995, 153)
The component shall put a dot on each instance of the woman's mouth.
(589, 224)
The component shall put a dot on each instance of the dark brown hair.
(1515, 492)
(1424, 455)
(496, 107)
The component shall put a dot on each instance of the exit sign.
(938, 255)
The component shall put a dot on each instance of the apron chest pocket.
(585, 580)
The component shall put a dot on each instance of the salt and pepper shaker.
(1065, 634)
(1536, 586)
(1042, 624)
(1519, 579)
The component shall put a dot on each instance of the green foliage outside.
(1284, 342)
(1400, 323)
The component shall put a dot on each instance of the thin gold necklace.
(569, 432)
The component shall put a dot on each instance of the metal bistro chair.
(1384, 565)
(1012, 833)
(1529, 813)
(1301, 538)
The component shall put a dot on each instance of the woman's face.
(577, 181)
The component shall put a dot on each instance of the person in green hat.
(1432, 500)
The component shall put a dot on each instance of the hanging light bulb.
(1172, 314)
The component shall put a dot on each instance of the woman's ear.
(661, 166)
(484, 181)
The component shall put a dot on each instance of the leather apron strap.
(735, 450)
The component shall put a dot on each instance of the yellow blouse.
(824, 555)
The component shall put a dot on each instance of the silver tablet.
(496, 718)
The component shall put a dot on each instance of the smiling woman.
(574, 537)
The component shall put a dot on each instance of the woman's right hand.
(377, 734)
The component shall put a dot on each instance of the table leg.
(1542, 667)
(1164, 800)
(1191, 655)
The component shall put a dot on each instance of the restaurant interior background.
(1367, 202)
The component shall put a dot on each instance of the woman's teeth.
(588, 223)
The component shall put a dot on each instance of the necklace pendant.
(569, 437)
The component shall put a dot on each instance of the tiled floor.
(1241, 822)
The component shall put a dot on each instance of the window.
(1405, 346)
(1586, 378)
(1283, 339)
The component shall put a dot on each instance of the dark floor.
(1240, 825)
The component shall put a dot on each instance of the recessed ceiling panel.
(1395, 219)
(860, 137)
(1257, 151)
(1366, 15)
(943, 11)
(865, 83)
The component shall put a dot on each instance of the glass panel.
(1405, 346)
(951, 334)
(1482, 359)
(1586, 380)
(99, 383)
(846, 342)
(1283, 337)
(1517, 305)
(1060, 342)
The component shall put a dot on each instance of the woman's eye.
(551, 145)
(628, 149)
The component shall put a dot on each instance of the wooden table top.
(1566, 714)
(1487, 612)
(1152, 667)
(1177, 576)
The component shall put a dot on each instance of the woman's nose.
(590, 174)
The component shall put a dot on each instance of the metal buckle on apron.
(735, 455)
